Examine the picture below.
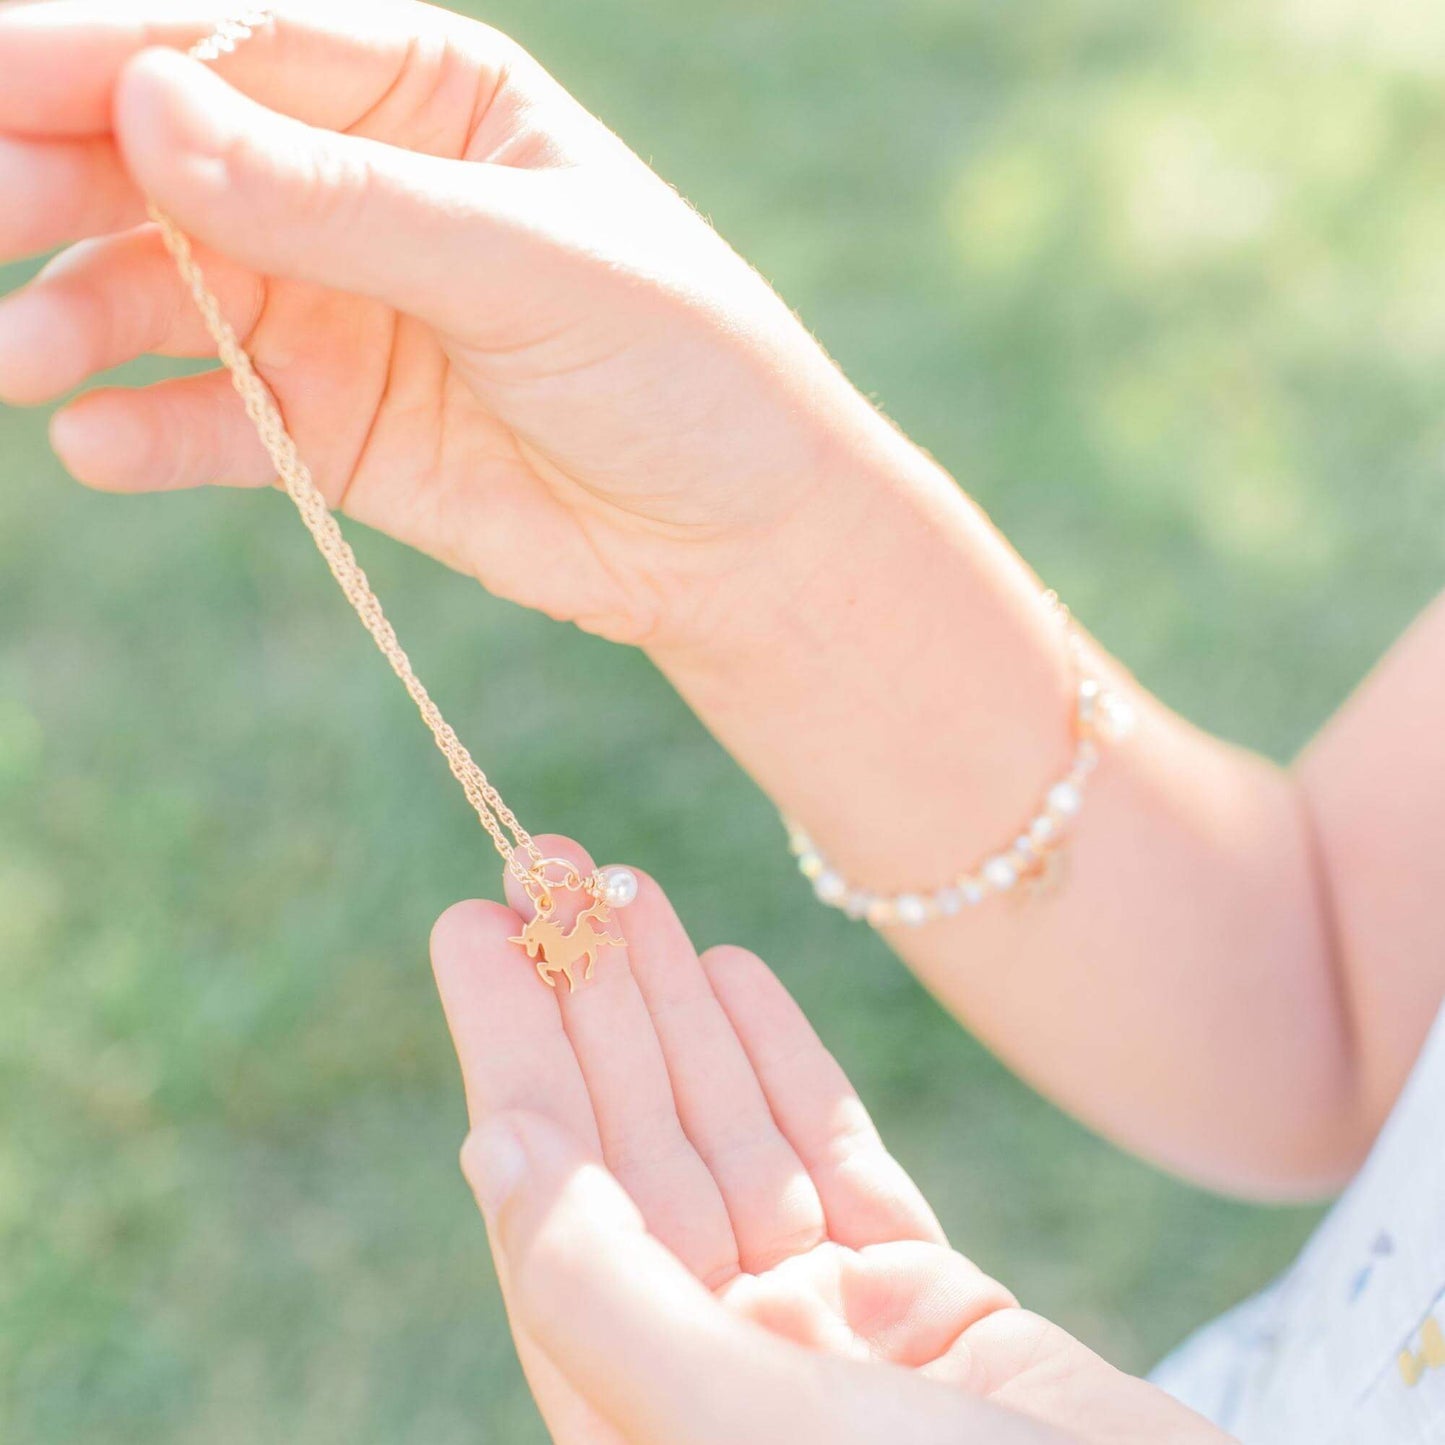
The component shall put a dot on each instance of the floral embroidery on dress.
(1347, 1347)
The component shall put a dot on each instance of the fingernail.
(495, 1164)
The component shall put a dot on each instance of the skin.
(674, 1170)
(584, 399)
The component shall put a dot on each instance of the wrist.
(839, 545)
(888, 643)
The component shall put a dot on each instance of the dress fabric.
(1347, 1347)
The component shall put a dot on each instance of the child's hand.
(494, 332)
(699, 1232)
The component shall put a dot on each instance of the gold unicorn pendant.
(561, 950)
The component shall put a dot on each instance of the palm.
(547, 416)
(399, 441)
(526, 471)
(703, 1089)
(906, 1302)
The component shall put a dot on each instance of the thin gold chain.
(496, 817)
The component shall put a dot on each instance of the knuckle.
(318, 180)
(495, 56)
(786, 1244)
(652, 1145)
(332, 186)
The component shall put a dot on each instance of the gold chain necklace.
(556, 948)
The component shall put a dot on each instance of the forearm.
(903, 695)
(1373, 780)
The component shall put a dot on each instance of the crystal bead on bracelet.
(1101, 715)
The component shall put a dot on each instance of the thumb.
(288, 199)
(630, 1328)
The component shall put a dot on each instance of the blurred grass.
(1165, 286)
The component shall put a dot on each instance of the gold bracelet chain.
(556, 949)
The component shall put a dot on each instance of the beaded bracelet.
(1101, 715)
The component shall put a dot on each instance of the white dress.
(1348, 1346)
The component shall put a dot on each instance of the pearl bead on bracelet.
(1101, 715)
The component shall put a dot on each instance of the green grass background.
(1163, 283)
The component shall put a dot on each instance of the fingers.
(643, 1140)
(905, 1302)
(60, 62)
(770, 1197)
(867, 1197)
(623, 1320)
(105, 302)
(649, 1349)
(514, 1055)
(914, 1301)
(508, 1034)
(290, 200)
(186, 433)
(55, 191)
(1025, 1363)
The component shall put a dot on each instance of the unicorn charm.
(560, 950)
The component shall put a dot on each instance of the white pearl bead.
(1000, 874)
(1065, 799)
(972, 892)
(911, 909)
(1117, 716)
(619, 886)
(857, 904)
(811, 865)
(948, 901)
(830, 887)
(1042, 830)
